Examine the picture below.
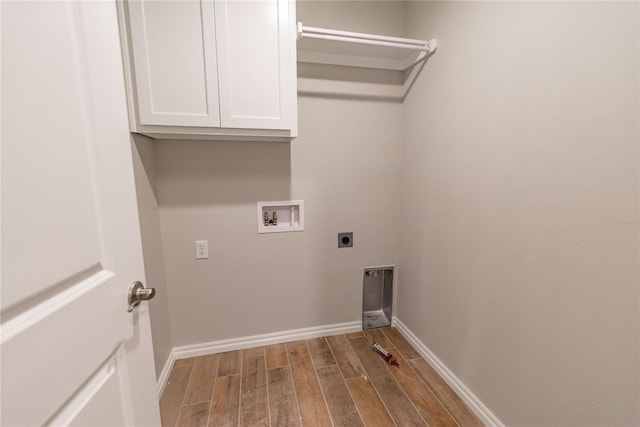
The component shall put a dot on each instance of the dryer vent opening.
(377, 297)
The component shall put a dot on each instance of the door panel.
(64, 359)
(71, 354)
(60, 188)
(102, 400)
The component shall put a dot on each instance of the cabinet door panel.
(256, 63)
(174, 55)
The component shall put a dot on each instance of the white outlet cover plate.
(202, 249)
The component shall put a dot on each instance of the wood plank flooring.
(333, 381)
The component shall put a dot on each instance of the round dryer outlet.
(345, 240)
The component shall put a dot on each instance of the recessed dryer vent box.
(280, 217)
(377, 297)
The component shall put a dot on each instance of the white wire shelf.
(336, 47)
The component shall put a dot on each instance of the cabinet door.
(174, 58)
(256, 63)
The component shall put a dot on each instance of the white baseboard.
(221, 346)
(164, 375)
(472, 401)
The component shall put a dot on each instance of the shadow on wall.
(143, 151)
(350, 74)
(222, 172)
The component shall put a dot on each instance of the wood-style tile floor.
(332, 381)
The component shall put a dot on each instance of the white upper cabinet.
(174, 57)
(255, 54)
(211, 68)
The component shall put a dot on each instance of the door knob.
(138, 293)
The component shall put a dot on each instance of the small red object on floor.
(391, 360)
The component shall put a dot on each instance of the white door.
(70, 352)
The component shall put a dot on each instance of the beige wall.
(377, 17)
(144, 172)
(519, 247)
(344, 165)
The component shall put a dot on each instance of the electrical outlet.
(202, 249)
